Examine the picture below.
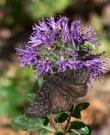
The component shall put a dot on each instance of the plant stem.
(52, 122)
(68, 121)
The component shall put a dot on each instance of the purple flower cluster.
(56, 46)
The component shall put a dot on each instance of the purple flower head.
(47, 32)
(57, 46)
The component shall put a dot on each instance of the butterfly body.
(59, 92)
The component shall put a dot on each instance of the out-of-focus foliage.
(39, 8)
(102, 35)
(20, 11)
(13, 91)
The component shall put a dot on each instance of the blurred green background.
(16, 19)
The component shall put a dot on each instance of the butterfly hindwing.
(41, 104)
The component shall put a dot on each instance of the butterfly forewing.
(59, 92)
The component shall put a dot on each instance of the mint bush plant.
(64, 50)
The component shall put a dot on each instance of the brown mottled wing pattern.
(59, 92)
(73, 84)
(41, 104)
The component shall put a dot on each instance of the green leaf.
(76, 114)
(30, 96)
(81, 127)
(63, 117)
(84, 130)
(90, 130)
(78, 109)
(82, 106)
(46, 121)
(77, 125)
(31, 124)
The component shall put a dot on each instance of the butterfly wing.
(72, 85)
(59, 92)
(77, 82)
(50, 98)
(60, 99)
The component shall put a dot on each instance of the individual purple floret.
(97, 67)
(89, 36)
(44, 67)
(52, 23)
